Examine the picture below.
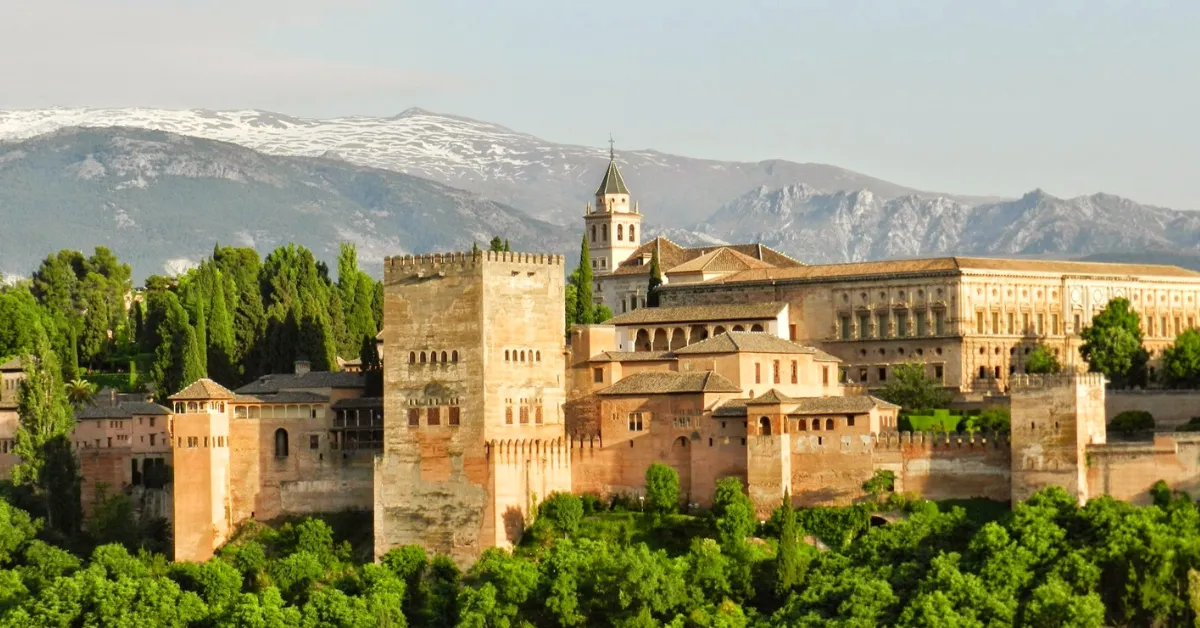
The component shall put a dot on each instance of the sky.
(963, 96)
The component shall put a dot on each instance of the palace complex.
(754, 365)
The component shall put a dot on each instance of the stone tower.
(473, 394)
(1054, 419)
(613, 226)
(200, 452)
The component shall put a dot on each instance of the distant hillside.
(159, 199)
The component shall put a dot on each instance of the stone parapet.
(556, 452)
(404, 264)
(1018, 383)
(941, 440)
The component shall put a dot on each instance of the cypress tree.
(788, 567)
(584, 309)
(655, 280)
(507, 249)
(192, 367)
(200, 329)
(70, 368)
(474, 247)
(220, 337)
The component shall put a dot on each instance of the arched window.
(433, 357)
(522, 356)
(443, 357)
(412, 357)
(829, 424)
(756, 327)
(620, 232)
(506, 358)
(764, 426)
(604, 232)
(816, 425)
(538, 356)
(281, 443)
(632, 237)
(422, 357)
(454, 357)
(593, 233)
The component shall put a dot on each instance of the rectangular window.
(939, 323)
(537, 416)
(1164, 331)
(845, 322)
(598, 375)
(882, 324)
(862, 376)
(757, 373)
(314, 442)
(414, 417)
(824, 376)
(792, 332)
(508, 418)
(152, 439)
(882, 374)
(1149, 326)
(455, 416)
(1054, 324)
(151, 421)
(979, 322)
(524, 414)
(1011, 324)
(775, 370)
(433, 416)
(864, 326)
(849, 423)
(921, 326)
(1041, 324)
(995, 322)
(902, 324)
(1078, 325)
(635, 422)
(795, 372)
(1025, 327)
(938, 372)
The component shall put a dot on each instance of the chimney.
(303, 367)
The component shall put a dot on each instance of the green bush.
(1193, 425)
(564, 510)
(1131, 421)
(662, 488)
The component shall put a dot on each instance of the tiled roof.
(106, 409)
(953, 265)
(613, 182)
(669, 382)
(748, 342)
(723, 259)
(359, 402)
(291, 396)
(312, 379)
(202, 389)
(851, 404)
(699, 313)
(14, 364)
(771, 397)
(632, 356)
(671, 255)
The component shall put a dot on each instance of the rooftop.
(671, 256)
(14, 364)
(613, 182)
(752, 342)
(632, 356)
(723, 259)
(850, 404)
(310, 380)
(699, 313)
(203, 389)
(290, 396)
(670, 382)
(371, 403)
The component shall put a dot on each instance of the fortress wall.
(828, 468)
(524, 473)
(947, 465)
(1127, 471)
(1171, 408)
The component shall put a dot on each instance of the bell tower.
(613, 225)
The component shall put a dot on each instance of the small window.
(433, 357)
(883, 373)
(444, 357)
(795, 372)
(508, 415)
(757, 373)
(433, 416)
(537, 417)
(632, 233)
(538, 356)
(775, 371)
(455, 417)
(635, 422)
(506, 358)
(816, 425)
(825, 375)
(422, 357)
(598, 375)
(849, 421)
(414, 417)
(524, 414)
(281, 443)
(412, 357)
(314, 442)
(454, 357)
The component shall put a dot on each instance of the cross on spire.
(612, 154)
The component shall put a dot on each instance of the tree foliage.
(655, 281)
(662, 488)
(1042, 361)
(911, 388)
(1181, 361)
(1112, 344)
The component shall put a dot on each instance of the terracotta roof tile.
(358, 403)
(202, 389)
(771, 397)
(14, 364)
(632, 356)
(290, 396)
(837, 405)
(748, 342)
(724, 259)
(671, 255)
(671, 382)
(699, 313)
(312, 379)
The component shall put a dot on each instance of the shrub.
(592, 503)
(1131, 421)
(662, 488)
(994, 418)
(881, 482)
(564, 510)
(1193, 425)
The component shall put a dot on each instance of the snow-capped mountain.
(550, 181)
(161, 201)
(819, 227)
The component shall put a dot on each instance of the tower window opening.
(620, 232)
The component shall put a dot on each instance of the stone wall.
(1054, 419)
(201, 503)
(1127, 471)
(523, 473)
(948, 466)
(1171, 408)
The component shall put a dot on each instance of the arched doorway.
(642, 342)
(677, 339)
(764, 426)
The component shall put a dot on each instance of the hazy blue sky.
(970, 96)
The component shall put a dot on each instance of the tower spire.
(612, 153)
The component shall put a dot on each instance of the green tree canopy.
(912, 388)
(656, 280)
(1112, 344)
(1042, 360)
(662, 488)
(1181, 361)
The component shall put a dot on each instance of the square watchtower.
(474, 345)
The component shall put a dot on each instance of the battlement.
(941, 440)
(460, 260)
(1018, 383)
(555, 451)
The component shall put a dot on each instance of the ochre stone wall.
(1054, 419)
(1127, 471)
(948, 466)
(1171, 408)
(523, 473)
(201, 504)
